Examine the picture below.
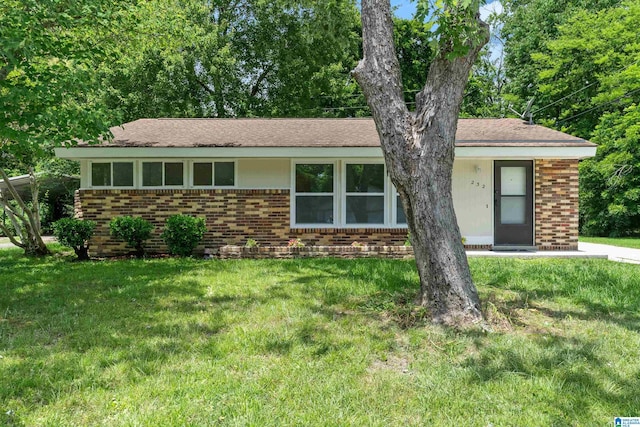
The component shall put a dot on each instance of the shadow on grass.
(570, 376)
(65, 326)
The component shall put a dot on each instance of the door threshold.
(514, 248)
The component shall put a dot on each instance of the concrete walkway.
(614, 253)
(5, 243)
(585, 250)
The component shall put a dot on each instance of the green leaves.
(455, 27)
(48, 51)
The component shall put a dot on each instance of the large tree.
(235, 58)
(527, 28)
(47, 54)
(419, 146)
(592, 72)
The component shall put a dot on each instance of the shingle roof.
(319, 133)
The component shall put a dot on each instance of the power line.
(362, 95)
(600, 105)
(583, 88)
(563, 98)
(355, 107)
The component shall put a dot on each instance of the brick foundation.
(232, 217)
(556, 204)
(280, 252)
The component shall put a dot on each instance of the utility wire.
(349, 108)
(563, 98)
(600, 106)
(583, 88)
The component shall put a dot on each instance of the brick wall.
(556, 204)
(232, 216)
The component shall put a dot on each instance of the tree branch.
(263, 75)
(204, 85)
(11, 237)
(378, 72)
(31, 219)
(447, 78)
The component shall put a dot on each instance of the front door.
(513, 180)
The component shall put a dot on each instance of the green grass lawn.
(625, 242)
(170, 342)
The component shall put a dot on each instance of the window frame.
(111, 162)
(295, 194)
(213, 173)
(383, 194)
(394, 209)
(185, 176)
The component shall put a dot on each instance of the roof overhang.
(507, 152)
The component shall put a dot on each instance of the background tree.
(47, 92)
(235, 58)
(527, 28)
(418, 146)
(593, 69)
(586, 73)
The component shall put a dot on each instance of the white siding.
(264, 173)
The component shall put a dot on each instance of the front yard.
(171, 342)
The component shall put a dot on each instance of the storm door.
(513, 202)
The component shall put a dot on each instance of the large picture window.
(314, 194)
(158, 174)
(112, 174)
(364, 195)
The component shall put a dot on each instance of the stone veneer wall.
(232, 216)
(556, 204)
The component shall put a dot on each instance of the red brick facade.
(556, 204)
(233, 216)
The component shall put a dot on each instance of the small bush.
(75, 234)
(133, 230)
(251, 243)
(182, 233)
(295, 243)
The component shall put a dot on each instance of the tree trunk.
(26, 220)
(82, 252)
(418, 148)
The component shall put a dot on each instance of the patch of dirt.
(392, 363)
(513, 313)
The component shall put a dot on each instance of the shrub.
(182, 233)
(75, 234)
(295, 243)
(251, 243)
(133, 230)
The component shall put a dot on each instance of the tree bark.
(30, 236)
(418, 148)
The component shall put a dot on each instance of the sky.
(406, 8)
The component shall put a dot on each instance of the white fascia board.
(80, 153)
(526, 152)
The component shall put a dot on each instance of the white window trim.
(162, 187)
(213, 185)
(394, 208)
(294, 193)
(111, 162)
(346, 194)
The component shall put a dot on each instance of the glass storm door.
(513, 182)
